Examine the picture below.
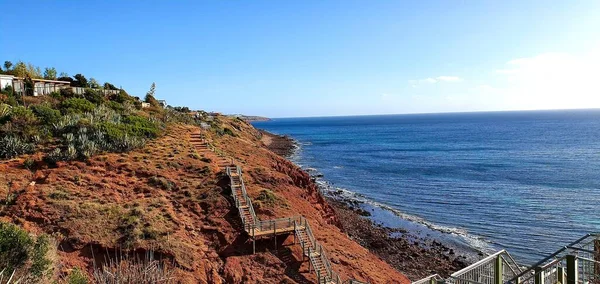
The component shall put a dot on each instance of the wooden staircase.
(256, 228)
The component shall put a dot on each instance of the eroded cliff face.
(168, 199)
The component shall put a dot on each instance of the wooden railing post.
(572, 273)
(498, 270)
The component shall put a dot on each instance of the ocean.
(528, 182)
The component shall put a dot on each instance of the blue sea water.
(528, 182)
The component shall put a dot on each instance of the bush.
(141, 126)
(67, 93)
(46, 114)
(121, 97)
(23, 122)
(94, 96)
(77, 277)
(76, 105)
(5, 111)
(56, 95)
(21, 252)
(15, 246)
(115, 106)
(11, 147)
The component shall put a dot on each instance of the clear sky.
(313, 58)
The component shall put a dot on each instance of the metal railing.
(577, 262)
(490, 270)
(431, 279)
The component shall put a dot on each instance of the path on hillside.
(256, 229)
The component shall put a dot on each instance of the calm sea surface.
(528, 182)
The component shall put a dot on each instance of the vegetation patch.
(26, 255)
(267, 198)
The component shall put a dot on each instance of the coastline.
(414, 255)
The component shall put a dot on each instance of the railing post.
(498, 270)
(253, 241)
(560, 275)
(539, 276)
(309, 262)
(597, 257)
(572, 273)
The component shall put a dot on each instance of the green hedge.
(76, 105)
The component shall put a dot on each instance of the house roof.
(44, 80)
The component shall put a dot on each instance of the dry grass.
(127, 269)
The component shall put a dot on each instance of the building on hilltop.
(43, 86)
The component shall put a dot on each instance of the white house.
(6, 80)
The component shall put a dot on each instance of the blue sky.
(314, 58)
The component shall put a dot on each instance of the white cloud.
(431, 80)
(548, 81)
(449, 79)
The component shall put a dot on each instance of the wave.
(477, 243)
(474, 242)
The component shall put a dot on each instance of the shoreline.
(413, 255)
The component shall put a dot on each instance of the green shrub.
(56, 95)
(25, 254)
(29, 164)
(76, 105)
(121, 97)
(39, 262)
(118, 107)
(67, 93)
(141, 126)
(11, 146)
(15, 246)
(77, 277)
(161, 182)
(94, 96)
(23, 122)
(46, 114)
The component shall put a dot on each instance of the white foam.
(476, 242)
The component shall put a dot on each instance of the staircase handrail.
(552, 257)
(435, 277)
(309, 233)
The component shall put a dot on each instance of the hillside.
(167, 199)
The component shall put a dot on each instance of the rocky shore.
(414, 256)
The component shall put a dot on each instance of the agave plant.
(4, 110)
(11, 147)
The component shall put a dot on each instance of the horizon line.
(431, 113)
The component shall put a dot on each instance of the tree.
(7, 65)
(50, 73)
(80, 81)
(109, 86)
(150, 96)
(65, 78)
(20, 69)
(33, 71)
(63, 74)
(26, 70)
(94, 84)
(152, 90)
